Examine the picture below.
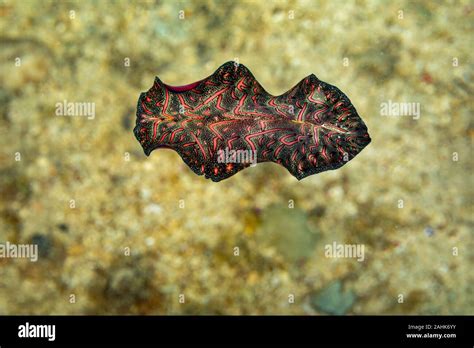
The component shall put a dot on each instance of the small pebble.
(44, 244)
(429, 231)
(153, 208)
(332, 300)
(63, 227)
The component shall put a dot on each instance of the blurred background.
(120, 233)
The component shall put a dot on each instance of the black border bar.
(139, 330)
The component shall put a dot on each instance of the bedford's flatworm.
(220, 124)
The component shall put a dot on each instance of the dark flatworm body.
(222, 123)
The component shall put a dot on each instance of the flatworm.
(227, 121)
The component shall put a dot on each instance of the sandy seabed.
(118, 232)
